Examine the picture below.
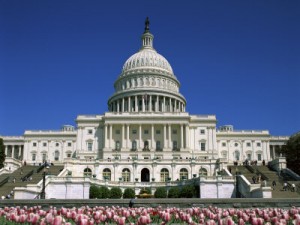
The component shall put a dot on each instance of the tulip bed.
(140, 216)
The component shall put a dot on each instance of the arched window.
(183, 175)
(164, 175)
(87, 172)
(56, 155)
(202, 172)
(126, 175)
(106, 174)
(133, 145)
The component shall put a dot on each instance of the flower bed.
(140, 216)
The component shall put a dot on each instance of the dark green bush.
(174, 192)
(187, 191)
(105, 193)
(161, 192)
(128, 193)
(116, 192)
(94, 191)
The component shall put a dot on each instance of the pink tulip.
(58, 220)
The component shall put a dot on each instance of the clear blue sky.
(239, 60)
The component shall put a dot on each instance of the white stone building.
(146, 135)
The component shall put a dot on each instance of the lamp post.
(45, 172)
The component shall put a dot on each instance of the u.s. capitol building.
(146, 135)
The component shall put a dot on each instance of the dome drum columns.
(146, 103)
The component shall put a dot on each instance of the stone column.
(150, 104)
(165, 137)
(170, 105)
(156, 104)
(187, 136)
(143, 103)
(129, 104)
(105, 135)
(123, 105)
(123, 136)
(164, 105)
(118, 106)
(110, 136)
(169, 134)
(127, 142)
(152, 136)
(181, 136)
(13, 151)
(136, 104)
(140, 136)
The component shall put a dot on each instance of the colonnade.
(14, 151)
(182, 138)
(147, 103)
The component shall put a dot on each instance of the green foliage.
(161, 192)
(94, 191)
(174, 192)
(105, 193)
(146, 190)
(292, 153)
(2, 153)
(187, 191)
(116, 192)
(128, 193)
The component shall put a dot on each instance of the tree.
(115, 192)
(161, 192)
(105, 193)
(2, 153)
(128, 193)
(292, 153)
(94, 191)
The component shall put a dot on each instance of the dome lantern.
(147, 37)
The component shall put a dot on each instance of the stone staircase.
(270, 176)
(20, 177)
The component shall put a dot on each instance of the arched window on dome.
(126, 175)
(87, 172)
(107, 174)
(164, 175)
(183, 174)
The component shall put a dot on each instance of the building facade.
(146, 135)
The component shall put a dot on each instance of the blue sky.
(239, 60)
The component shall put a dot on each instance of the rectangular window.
(44, 144)
(57, 144)
(224, 144)
(69, 144)
(175, 145)
(118, 131)
(248, 144)
(157, 131)
(133, 131)
(68, 155)
(259, 157)
(34, 144)
(258, 144)
(44, 156)
(146, 131)
(90, 131)
(174, 131)
(90, 146)
(33, 157)
(202, 131)
(202, 146)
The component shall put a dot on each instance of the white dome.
(147, 59)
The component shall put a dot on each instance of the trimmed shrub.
(94, 191)
(105, 193)
(187, 191)
(174, 192)
(116, 192)
(161, 192)
(129, 193)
